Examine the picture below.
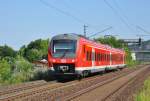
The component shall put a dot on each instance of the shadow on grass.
(43, 75)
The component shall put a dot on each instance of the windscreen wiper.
(64, 53)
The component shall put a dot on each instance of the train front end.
(62, 54)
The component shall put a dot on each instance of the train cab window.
(64, 48)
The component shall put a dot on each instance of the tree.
(112, 41)
(35, 50)
(33, 54)
(21, 52)
(6, 51)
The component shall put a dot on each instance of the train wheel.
(79, 77)
(85, 73)
(102, 72)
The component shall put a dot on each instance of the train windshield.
(64, 48)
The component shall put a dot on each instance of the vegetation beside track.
(14, 70)
(144, 94)
(16, 66)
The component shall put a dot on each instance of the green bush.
(5, 71)
(23, 69)
(16, 71)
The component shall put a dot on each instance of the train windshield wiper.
(64, 53)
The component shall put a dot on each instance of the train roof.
(66, 36)
(74, 36)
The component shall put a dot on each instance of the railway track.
(29, 90)
(64, 91)
(127, 91)
(19, 87)
(69, 92)
(61, 93)
(106, 90)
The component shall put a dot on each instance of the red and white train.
(74, 54)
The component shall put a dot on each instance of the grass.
(144, 94)
(133, 64)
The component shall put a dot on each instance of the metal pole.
(85, 30)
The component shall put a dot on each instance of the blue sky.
(22, 21)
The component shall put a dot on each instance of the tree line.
(16, 66)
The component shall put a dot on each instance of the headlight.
(54, 60)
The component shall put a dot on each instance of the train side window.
(95, 56)
(100, 57)
(89, 56)
(87, 53)
(103, 57)
(107, 57)
(84, 48)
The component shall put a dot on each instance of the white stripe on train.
(94, 69)
(98, 68)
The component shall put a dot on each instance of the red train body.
(73, 54)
